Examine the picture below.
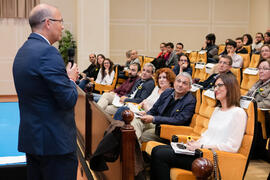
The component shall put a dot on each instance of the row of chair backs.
(247, 82)
(222, 47)
(205, 112)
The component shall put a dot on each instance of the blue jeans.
(83, 83)
(118, 114)
(96, 96)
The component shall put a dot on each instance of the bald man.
(47, 95)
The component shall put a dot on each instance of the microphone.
(71, 54)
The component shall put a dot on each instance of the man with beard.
(210, 47)
(107, 98)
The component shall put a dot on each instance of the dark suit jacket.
(143, 92)
(181, 113)
(46, 99)
(210, 81)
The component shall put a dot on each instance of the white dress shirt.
(225, 129)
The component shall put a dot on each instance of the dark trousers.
(163, 159)
(52, 167)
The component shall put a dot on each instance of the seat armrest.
(183, 138)
(167, 131)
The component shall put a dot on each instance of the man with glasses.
(175, 106)
(47, 95)
(224, 66)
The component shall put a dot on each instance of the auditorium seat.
(141, 58)
(255, 58)
(147, 59)
(193, 56)
(200, 74)
(237, 73)
(202, 57)
(106, 88)
(248, 48)
(246, 60)
(247, 82)
(221, 48)
(262, 115)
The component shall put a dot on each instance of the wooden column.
(128, 147)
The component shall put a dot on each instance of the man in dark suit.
(47, 95)
(175, 106)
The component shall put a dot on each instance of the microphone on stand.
(71, 54)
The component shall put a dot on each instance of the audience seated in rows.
(105, 101)
(183, 65)
(247, 40)
(261, 89)
(222, 134)
(141, 89)
(258, 42)
(224, 66)
(240, 46)
(164, 79)
(92, 71)
(210, 47)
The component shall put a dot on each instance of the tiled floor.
(257, 170)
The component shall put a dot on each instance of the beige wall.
(144, 24)
(259, 16)
(90, 29)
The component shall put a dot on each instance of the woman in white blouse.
(106, 73)
(225, 131)
(105, 76)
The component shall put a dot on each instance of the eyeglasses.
(57, 20)
(218, 85)
(263, 69)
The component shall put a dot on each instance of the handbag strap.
(217, 174)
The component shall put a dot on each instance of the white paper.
(181, 151)
(209, 67)
(251, 71)
(135, 109)
(12, 159)
(210, 93)
(202, 52)
(199, 65)
(245, 101)
(195, 87)
(116, 101)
